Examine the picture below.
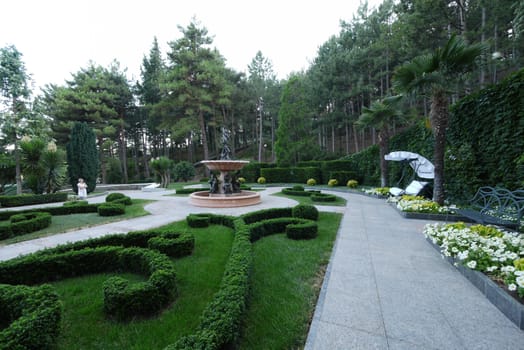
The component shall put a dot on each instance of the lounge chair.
(415, 188)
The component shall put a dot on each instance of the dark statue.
(213, 184)
(225, 154)
(227, 187)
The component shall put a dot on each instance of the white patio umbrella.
(423, 167)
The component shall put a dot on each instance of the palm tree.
(438, 74)
(381, 115)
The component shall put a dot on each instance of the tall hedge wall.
(486, 136)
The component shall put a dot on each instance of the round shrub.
(111, 209)
(352, 183)
(332, 182)
(323, 197)
(261, 180)
(115, 196)
(241, 180)
(311, 182)
(305, 211)
(306, 230)
(297, 188)
(196, 220)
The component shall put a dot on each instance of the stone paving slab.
(387, 288)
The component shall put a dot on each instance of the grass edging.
(510, 307)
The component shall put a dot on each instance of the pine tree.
(82, 156)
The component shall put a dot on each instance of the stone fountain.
(224, 189)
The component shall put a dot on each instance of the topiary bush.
(305, 211)
(311, 182)
(303, 230)
(114, 196)
(198, 220)
(111, 209)
(76, 203)
(332, 182)
(30, 317)
(352, 183)
(266, 214)
(30, 199)
(23, 223)
(323, 197)
(261, 180)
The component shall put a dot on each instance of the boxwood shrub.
(117, 197)
(111, 209)
(305, 211)
(198, 220)
(30, 317)
(30, 199)
(302, 230)
(266, 214)
(190, 190)
(323, 197)
(23, 223)
(122, 300)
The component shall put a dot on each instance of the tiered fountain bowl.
(221, 199)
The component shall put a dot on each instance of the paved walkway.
(385, 286)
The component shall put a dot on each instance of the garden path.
(387, 288)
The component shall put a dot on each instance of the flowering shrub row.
(419, 204)
(484, 248)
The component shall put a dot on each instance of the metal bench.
(496, 206)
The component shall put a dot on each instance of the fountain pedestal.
(222, 196)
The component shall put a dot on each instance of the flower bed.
(381, 192)
(496, 253)
(419, 204)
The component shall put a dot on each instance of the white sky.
(58, 37)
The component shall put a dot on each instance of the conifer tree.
(82, 156)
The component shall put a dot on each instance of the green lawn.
(339, 202)
(286, 281)
(198, 277)
(64, 223)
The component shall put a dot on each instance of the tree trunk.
(123, 155)
(18, 172)
(383, 149)
(103, 169)
(439, 121)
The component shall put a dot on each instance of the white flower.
(491, 268)
(519, 273)
(520, 281)
(512, 287)
(472, 264)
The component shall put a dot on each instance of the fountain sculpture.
(224, 189)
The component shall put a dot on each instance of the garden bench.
(496, 206)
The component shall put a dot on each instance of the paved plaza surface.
(385, 286)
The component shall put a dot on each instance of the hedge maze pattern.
(33, 312)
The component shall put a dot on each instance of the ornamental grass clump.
(489, 249)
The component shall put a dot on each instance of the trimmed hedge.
(185, 242)
(342, 177)
(117, 197)
(220, 322)
(323, 197)
(191, 190)
(25, 223)
(63, 210)
(30, 317)
(76, 203)
(273, 226)
(303, 230)
(198, 220)
(304, 211)
(111, 209)
(121, 299)
(30, 199)
(294, 174)
(266, 214)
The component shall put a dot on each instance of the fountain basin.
(242, 199)
(224, 165)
